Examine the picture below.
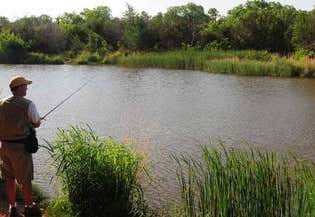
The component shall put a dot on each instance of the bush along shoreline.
(101, 177)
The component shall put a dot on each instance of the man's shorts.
(16, 163)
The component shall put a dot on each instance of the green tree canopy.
(4, 24)
(12, 48)
(257, 24)
(75, 31)
(137, 30)
(182, 24)
(40, 33)
(100, 21)
(304, 31)
(97, 18)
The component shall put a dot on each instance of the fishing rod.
(63, 101)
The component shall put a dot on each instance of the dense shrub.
(99, 175)
(12, 48)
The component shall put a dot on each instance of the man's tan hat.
(19, 80)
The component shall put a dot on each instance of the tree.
(213, 14)
(304, 31)
(114, 33)
(216, 34)
(50, 38)
(40, 33)
(97, 18)
(262, 25)
(12, 48)
(157, 26)
(4, 24)
(137, 32)
(74, 30)
(257, 24)
(181, 24)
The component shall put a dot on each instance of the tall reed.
(249, 67)
(187, 59)
(247, 62)
(245, 183)
(99, 175)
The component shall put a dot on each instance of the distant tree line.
(257, 24)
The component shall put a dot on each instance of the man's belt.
(14, 141)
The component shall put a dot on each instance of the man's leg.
(30, 209)
(27, 193)
(11, 191)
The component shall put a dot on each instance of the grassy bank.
(258, 63)
(243, 62)
(100, 177)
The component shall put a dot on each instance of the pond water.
(169, 112)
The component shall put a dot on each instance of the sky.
(15, 9)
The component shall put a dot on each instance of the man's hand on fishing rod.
(36, 125)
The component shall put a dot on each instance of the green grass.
(99, 175)
(247, 62)
(245, 183)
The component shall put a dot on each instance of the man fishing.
(17, 115)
